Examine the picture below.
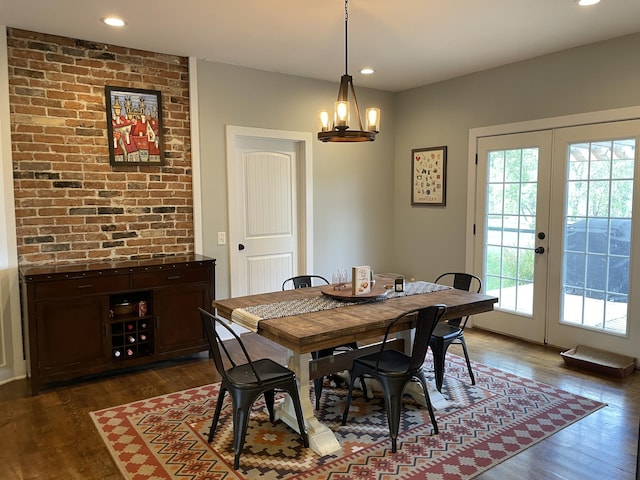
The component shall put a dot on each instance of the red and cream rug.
(165, 437)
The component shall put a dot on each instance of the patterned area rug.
(165, 437)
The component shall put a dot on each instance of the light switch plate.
(222, 238)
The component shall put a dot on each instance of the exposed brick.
(110, 210)
(67, 184)
(43, 239)
(70, 203)
(119, 243)
(82, 211)
(164, 210)
(119, 235)
(56, 247)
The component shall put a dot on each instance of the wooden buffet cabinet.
(85, 319)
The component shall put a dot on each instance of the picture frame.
(429, 176)
(134, 126)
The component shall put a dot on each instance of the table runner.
(249, 317)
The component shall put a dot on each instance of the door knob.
(539, 250)
(240, 246)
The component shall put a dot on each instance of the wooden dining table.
(356, 321)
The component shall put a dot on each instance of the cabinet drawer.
(80, 286)
(166, 278)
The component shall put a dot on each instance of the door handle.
(539, 250)
(240, 246)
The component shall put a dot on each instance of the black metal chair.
(304, 281)
(394, 369)
(452, 331)
(246, 382)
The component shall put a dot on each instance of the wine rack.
(131, 330)
(131, 339)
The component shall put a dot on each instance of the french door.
(596, 183)
(512, 227)
(555, 234)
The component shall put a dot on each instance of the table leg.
(321, 439)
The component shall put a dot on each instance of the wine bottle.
(131, 339)
(129, 352)
(142, 337)
(130, 326)
(117, 353)
(143, 326)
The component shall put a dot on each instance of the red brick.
(69, 143)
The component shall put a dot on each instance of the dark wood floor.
(51, 436)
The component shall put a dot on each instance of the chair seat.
(268, 370)
(446, 332)
(391, 362)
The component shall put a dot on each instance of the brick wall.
(71, 204)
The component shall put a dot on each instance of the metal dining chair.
(394, 369)
(304, 281)
(452, 331)
(245, 383)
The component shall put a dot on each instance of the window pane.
(597, 234)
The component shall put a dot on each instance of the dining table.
(306, 320)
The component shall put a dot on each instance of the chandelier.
(338, 130)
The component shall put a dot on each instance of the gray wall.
(602, 76)
(362, 202)
(353, 183)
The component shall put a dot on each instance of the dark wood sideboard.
(85, 319)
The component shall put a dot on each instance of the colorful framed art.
(429, 176)
(134, 125)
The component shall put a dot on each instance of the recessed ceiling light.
(584, 3)
(367, 71)
(114, 21)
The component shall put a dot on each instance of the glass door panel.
(597, 238)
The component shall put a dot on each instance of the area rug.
(503, 414)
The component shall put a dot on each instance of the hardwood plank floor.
(51, 436)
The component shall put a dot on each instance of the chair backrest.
(304, 281)
(425, 321)
(218, 348)
(460, 281)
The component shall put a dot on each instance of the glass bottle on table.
(335, 278)
(343, 276)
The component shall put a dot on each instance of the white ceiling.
(409, 42)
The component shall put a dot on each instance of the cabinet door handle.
(106, 330)
(85, 286)
(175, 277)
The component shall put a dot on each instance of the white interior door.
(513, 174)
(268, 237)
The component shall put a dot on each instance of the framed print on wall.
(134, 126)
(429, 176)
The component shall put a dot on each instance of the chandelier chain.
(346, 37)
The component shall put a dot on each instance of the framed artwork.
(134, 126)
(429, 176)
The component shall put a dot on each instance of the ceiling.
(409, 43)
